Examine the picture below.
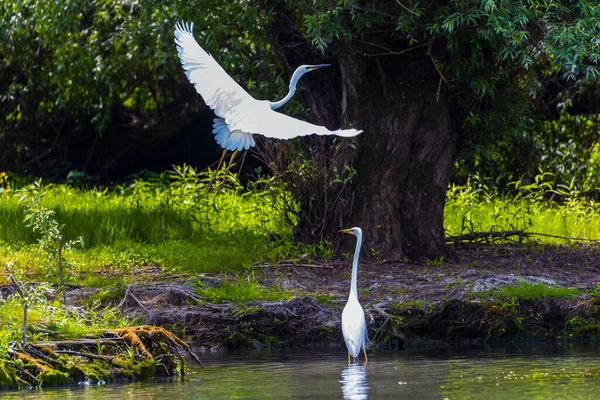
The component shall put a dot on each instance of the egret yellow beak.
(346, 231)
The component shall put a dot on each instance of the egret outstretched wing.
(242, 115)
(217, 88)
(255, 116)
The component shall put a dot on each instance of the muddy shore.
(405, 303)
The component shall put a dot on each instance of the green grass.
(169, 221)
(542, 207)
(107, 293)
(49, 320)
(325, 298)
(240, 290)
(172, 222)
(535, 291)
(145, 214)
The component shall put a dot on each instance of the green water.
(516, 372)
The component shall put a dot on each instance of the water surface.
(515, 372)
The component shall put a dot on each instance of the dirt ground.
(405, 303)
(471, 269)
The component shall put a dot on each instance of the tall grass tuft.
(240, 290)
(169, 219)
(539, 207)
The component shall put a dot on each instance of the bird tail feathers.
(347, 132)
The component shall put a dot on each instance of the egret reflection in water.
(354, 382)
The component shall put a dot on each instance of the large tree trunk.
(404, 156)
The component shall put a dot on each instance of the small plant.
(595, 292)
(347, 179)
(325, 298)
(44, 223)
(99, 347)
(375, 254)
(437, 262)
(322, 249)
(397, 319)
(421, 304)
(534, 291)
(240, 290)
(27, 295)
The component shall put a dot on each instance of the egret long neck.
(353, 289)
(277, 104)
(293, 82)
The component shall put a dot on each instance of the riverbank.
(482, 294)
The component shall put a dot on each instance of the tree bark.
(405, 153)
(404, 156)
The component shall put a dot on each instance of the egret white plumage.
(239, 115)
(354, 325)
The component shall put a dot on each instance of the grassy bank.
(170, 221)
(556, 211)
(163, 226)
(167, 220)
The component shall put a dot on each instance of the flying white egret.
(354, 326)
(239, 115)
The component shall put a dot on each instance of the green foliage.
(436, 262)
(524, 290)
(43, 223)
(95, 56)
(477, 34)
(322, 249)
(167, 219)
(569, 148)
(107, 293)
(26, 295)
(596, 291)
(495, 57)
(62, 326)
(541, 206)
(240, 290)
(325, 298)
(44, 320)
(397, 319)
(80, 72)
(421, 304)
(4, 184)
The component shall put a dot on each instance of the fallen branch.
(87, 355)
(291, 264)
(503, 235)
(33, 380)
(129, 293)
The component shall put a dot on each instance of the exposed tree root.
(125, 354)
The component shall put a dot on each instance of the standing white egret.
(354, 325)
(239, 114)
